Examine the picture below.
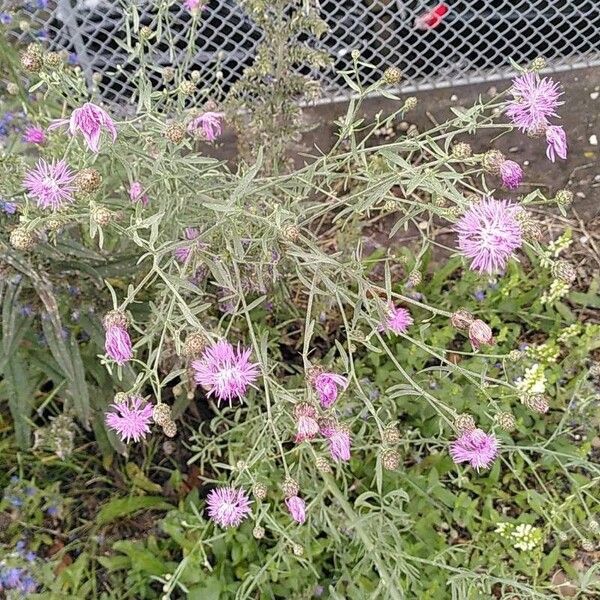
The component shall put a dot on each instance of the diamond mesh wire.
(474, 41)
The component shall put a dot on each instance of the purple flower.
(488, 233)
(10, 208)
(130, 419)
(51, 184)
(117, 344)
(183, 254)
(136, 193)
(90, 120)
(511, 174)
(194, 6)
(208, 124)
(306, 422)
(556, 139)
(297, 508)
(34, 135)
(339, 441)
(228, 506)
(480, 334)
(534, 101)
(476, 447)
(5, 18)
(225, 371)
(326, 386)
(398, 320)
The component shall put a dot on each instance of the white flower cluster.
(533, 380)
(523, 536)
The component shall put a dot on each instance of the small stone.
(594, 95)
(594, 139)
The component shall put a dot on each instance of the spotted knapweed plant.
(165, 279)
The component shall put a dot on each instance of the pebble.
(594, 139)
(513, 149)
(594, 95)
(525, 163)
(453, 98)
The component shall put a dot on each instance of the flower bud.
(461, 319)
(506, 421)
(464, 422)
(146, 33)
(409, 104)
(12, 88)
(259, 490)
(258, 532)
(536, 402)
(391, 434)
(390, 459)
(101, 215)
(515, 355)
(461, 150)
(194, 345)
(392, 75)
(169, 429)
(355, 54)
(168, 74)
(187, 87)
(297, 549)
(390, 205)
(564, 198)
(161, 413)
(120, 397)
(290, 487)
(588, 545)
(322, 465)
(21, 239)
(31, 61)
(492, 160)
(290, 233)
(564, 271)
(115, 318)
(88, 180)
(52, 60)
(480, 334)
(537, 64)
(414, 278)
(175, 132)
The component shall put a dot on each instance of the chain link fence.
(434, 44)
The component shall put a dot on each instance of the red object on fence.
(432, 18)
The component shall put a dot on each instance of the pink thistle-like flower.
(306, 422)
(228, 506)
(34, 135)
(476, 447)
(90, 120)
(511, 174)
(297, 508)
(556, 138)
(182, 254)
(488, 233)
(225, 371)
(534, 101)
(136, 193)
(194, 6)
(130, 418)
(51, 184)
(209, 124)
(339, 441)
(480, 334)
(117, 344)
(398, 320)
(326, 386)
